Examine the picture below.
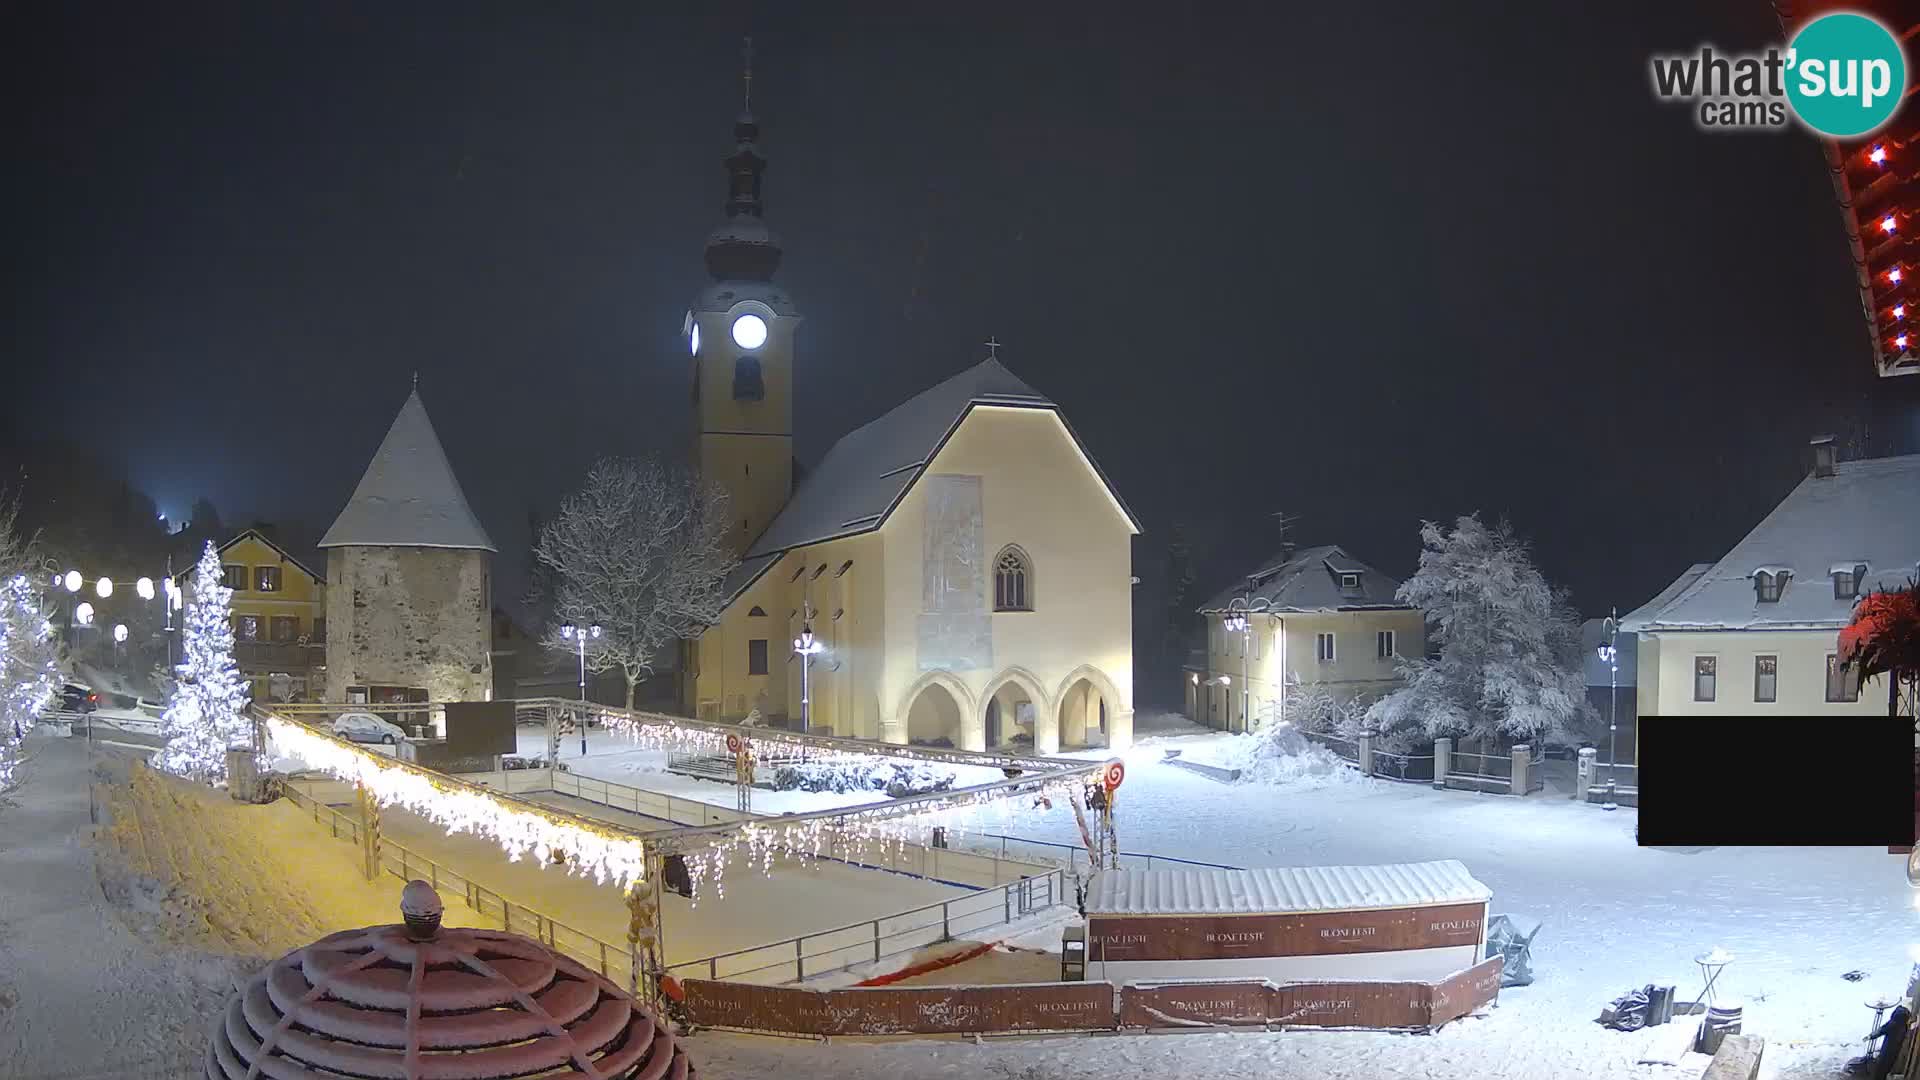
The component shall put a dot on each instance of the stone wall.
(409, 616)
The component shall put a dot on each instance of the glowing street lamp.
(144, 587)
(83, 614)
(805, 647)
(104, 587)
(579, 635)
(119, 633)
(73, 581)
(1610, 655)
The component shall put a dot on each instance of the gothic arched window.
(1012, 580)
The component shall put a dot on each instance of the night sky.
(1364, 266)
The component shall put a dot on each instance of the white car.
(366, 727)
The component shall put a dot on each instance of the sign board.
(480, 728)
(1221, 937)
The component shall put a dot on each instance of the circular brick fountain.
(418, 1001)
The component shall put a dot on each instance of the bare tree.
(640, 551)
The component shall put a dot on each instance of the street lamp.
(73, 581)
(104, 587)
(579, 635)
(83, 614)
(1610, 655)
(805, 647)
(144, 588)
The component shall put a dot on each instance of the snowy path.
(80, 997)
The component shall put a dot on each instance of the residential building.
(279, 615)
(1317, 615)
(410, 604)
(961, 564)
(1757, 631)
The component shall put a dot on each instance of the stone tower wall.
(410, 616)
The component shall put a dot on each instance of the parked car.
(366, 727)
(75, 698)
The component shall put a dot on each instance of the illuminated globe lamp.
(421, 1001)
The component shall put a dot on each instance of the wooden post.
(369, 832)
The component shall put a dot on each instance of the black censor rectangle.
(1776, 781)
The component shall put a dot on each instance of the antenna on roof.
(1284, 522)
(416, 380)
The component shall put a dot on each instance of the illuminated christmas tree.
(27, 653)
(207, 713)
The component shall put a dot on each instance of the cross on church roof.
(746, 74)
(993, 348)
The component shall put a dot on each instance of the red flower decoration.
(1884, 635)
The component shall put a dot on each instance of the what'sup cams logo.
(1841, 76)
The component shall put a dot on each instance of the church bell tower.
(740, 333)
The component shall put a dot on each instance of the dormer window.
(1769, 584)
(1846, 581)
(1349, 582)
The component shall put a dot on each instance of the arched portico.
(938, 706)
(1089, 710)
(1000, 709)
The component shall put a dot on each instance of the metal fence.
(667, 808)
(874, 940)
(1348, 749)
(1536, 775)
(1493, 772)
(609, 959)
(1412, 768)
(1074, 856)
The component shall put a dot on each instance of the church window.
(757, 656)
(747, 383)
(1012, 580)
(757, 612)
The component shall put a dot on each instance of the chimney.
(1824, 455)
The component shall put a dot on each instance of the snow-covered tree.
(207, 712)
(29, 665)
(1509, 666)
(641, 551)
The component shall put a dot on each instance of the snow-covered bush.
(1280, 753)
(28, 650)
(896, 779)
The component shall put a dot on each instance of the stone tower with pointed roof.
(410, 574)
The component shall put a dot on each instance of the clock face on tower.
(693, 340)
(749, 331)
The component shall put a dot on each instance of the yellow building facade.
(278, 617)
(1318, 616)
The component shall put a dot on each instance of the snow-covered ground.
(1615, 917)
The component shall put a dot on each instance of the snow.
(1616, 917)
(1194, 891)
(408, 496)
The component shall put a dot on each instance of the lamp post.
(579, 635)
(1238, 624)
(1610, 653)
(805, 647)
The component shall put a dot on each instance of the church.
(956, 572)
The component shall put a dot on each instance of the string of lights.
(607, 853)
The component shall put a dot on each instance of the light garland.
(855, 835)
(608, 854)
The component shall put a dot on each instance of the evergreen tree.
(207, 711)
(1509, 665)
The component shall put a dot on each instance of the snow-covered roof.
(305, 565)
(1866, 512)
(1309, 580)
(866, 474)
(1282, 889)
(409, 496)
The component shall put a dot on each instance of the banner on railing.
(1091, 1006)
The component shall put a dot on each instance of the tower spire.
(746, 77)
(743, 249)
